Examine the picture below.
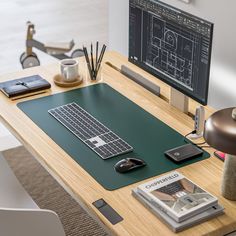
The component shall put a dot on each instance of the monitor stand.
(179, 100)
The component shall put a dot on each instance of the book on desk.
(23, 87)
(177, 201)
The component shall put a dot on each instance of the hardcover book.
(24, 86)
(210, 213)
(177, 196)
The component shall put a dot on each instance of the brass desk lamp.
(220, 133)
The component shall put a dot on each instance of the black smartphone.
(184, 152)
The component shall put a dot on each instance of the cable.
(204, 147)
(196, 144)
(200, 143)
(185, 136)
(187, 140)
(192, 132)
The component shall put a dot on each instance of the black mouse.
(128, 164)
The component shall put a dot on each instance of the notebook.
(25, 86)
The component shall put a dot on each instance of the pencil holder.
(94, 77)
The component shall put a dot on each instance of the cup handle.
(65, 72)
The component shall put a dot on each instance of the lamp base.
(228, 187)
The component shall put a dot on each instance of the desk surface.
(137, 219)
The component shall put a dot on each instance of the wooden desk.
(137, 219)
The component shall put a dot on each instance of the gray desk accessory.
(107, 211)
(139, 79)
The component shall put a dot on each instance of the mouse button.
(136, 161)
(121, 162)
(122, 165)
(126, 164)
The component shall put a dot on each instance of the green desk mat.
(149, 136)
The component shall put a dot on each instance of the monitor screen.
(171, 44)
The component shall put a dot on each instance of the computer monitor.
(171, 44)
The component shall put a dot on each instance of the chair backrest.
(27, 222)
(12, 194)
(19, 214)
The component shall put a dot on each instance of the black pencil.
(88, 62)
(93, 70)
(96, 55)
(100, 59)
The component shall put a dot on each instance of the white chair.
(19, 214)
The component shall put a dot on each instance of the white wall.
(222, 92)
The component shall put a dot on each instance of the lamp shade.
(220, 131)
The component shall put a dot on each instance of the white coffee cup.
(69, 69)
